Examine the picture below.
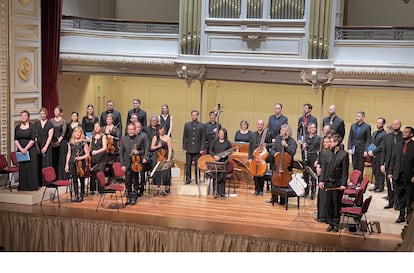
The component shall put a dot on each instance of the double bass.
(281, 175)
(258, 166)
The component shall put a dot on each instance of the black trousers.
(189, 157)
(378, 175)
(132, 180)
(333, 206)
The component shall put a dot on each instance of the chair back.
(364, 184)
(13, 158)
(355, 176)
(3, 162)
(118, 172)
(101, 179)
(365, 205)
(230, 167)
(49, 174)
(359, 198)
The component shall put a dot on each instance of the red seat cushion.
(114, 187)
(62, 183)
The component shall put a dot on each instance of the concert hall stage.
(176, 223)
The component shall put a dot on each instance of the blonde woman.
(78, 153)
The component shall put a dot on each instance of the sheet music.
(298, 185)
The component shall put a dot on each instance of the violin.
(161, 155)
(110, 149)
(136, 162)
(281, 175)
(79, 169)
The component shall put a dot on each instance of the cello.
(281, 175)
(258, 166)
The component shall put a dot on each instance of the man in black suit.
(212, 128)
(276, 121)
(141, 114)
(337, 124)
(358, 141)
(333, 178)
(194, 140)
(117, 120)
(375, 152)
(389, 145)
(132, 145)
(303, 123)
(402, 171)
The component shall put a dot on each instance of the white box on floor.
(175, 172)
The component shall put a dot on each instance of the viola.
(258, 166)
(110, 149)
(136, 162)
(281, 175)
(79, 170)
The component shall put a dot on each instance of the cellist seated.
(283, 150)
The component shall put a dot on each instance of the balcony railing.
(374, 33)
(115, 25)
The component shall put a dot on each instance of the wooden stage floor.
(240, 214)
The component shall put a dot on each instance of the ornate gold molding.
(364, 74)
(76, 59)
(25, 68)
(25, 2)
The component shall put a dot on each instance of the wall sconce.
(190, 72)
(317, 79)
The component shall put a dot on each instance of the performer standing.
(337, 124)
(243, 135)
(375, 151)
(166, 119)
(321, 201)
(333, 178)
(194, 141)
(132, 154)
(78, 153)
(162, 147)
(276, 121)
(304, 121)
(116, 116)
(212, 128)
(219, 145)
(89, 120)
(310, 150)
(44, 135)
(98, 148)
(259, 140)
(284, 141)
(141, 114)
(24, 141)
(358, 141)
(59, 142)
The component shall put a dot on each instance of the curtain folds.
(28, 232)
(51, 19)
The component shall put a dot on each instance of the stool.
(268, 179)
(284, 192)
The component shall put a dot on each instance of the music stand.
(215, 168)
(244, 174)
(161, 167)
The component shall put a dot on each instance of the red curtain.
(51, 18)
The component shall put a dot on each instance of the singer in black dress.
(24, 140)
(59, 143)
(98, 155)
(44, 135)
(162, 147)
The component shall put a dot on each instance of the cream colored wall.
(251, 101)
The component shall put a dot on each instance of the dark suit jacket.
(275, 123)
(302, 126)
(335, 168)
(402, 165)
(117, 119)
(377, 139)
(127, 143)
(254, 142)
(388, 147)
(337, 124)
(360, 142)
(194, 137)
(142, 117)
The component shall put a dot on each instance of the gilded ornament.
(25, 69)
(25, 2)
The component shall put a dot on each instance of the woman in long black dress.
(44, 135)
(59, 142)
(98, 154)
(162, 147)
(166, 119)
(24, 140)
(218, 146)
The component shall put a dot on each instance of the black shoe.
(320, 220)
(388, 207)
(133, 201)
(256, 193)
(330, 228)
(336, 228)
(216, 195)
(187, 182)
(379, 190)
(282, 203)
(260, 193)
(374, 189)
(400, 220)
(269, 200)
(385, 197)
